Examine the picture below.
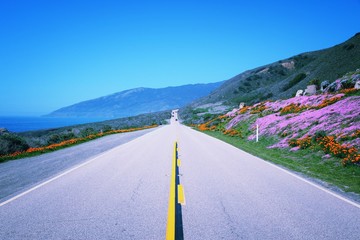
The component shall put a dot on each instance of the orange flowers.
(244, 109)
(303, 143)
(70, 142)
(203, 127)
(349, 154)
(292, 108)
(330, 145)
(327, 102)
(349, 90)
(215, 126)
(232, 133)
(212, 128)
(356, 134)
(296, 108)
(258, 109)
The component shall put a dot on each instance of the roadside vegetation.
(309, 162)
(25, 144)
(319, 157)
(20, 149)
(317, 136)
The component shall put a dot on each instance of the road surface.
(17, 175)
(124, 193)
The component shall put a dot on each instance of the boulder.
(311, 89)
(333, 87)
(241, 105)
(357, 85)
(323, 85)
(299, 93)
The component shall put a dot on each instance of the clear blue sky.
(57, 53)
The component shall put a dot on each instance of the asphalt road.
(123, 194)
(17, 175)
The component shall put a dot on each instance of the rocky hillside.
(137, 101)
(330, 121)
(282, 79)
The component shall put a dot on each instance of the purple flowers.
(340, 118)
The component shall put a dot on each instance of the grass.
(307, 161)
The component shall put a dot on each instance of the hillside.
(317, 136)
(282, 79)
(301, 121)
(137, 101)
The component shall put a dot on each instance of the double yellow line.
(176, 191)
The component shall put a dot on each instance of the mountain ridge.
(281, 79)
(136, 101)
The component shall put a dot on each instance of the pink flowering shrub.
(341, 117)
(294, 121)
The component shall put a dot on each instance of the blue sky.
(57, 53)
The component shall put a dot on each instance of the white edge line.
(313, 184)
(63, 174)
(51, 180)
(300, 178)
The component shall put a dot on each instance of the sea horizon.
(33, 123)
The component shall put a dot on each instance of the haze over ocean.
(22, 124)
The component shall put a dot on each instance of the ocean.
(22, 124)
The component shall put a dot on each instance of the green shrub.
(54, 139)
(293, 143)
(208, 116)
(10, 143)
(88, 131)
(319, 135)
(57, 138)
(347, 84)
(199, 110)
(294, 81)
(106, 128)
(314, 81)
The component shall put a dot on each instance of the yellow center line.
(181, 195)
(170, 228)
(176, 196)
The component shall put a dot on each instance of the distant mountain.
(137, 101)
(282, 79)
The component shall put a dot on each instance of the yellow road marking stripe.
(178, 162)
(181, 195)
(170, 227)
